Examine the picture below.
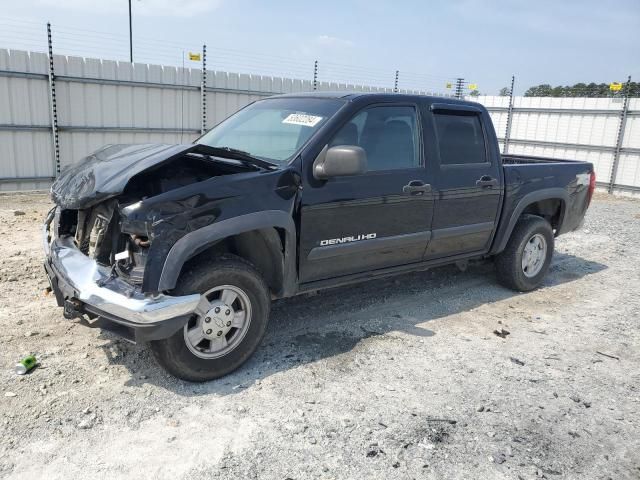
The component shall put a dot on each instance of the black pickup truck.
(185, 246)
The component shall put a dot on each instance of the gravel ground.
(397, 378)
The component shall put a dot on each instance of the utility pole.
(130, 35)
(459, 87)
(395, 86)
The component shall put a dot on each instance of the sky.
(359, 41)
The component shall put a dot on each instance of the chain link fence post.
(507, 132)
(315, 75)
(620, 137)
(459, 87)
(53, 108)
(203, 91)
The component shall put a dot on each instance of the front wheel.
(525, 260)
(231, 321)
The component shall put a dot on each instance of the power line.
(76, 41)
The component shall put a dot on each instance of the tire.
(530, 232)
(208, 359)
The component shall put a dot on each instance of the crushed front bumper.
(90, 292)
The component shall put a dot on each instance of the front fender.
(206, 236)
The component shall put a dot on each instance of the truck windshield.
(272, 129)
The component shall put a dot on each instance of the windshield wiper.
(235, 154)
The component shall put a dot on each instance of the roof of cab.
(317, 94)
(347, 95)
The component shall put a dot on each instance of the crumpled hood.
(106, 172)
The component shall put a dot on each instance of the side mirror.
(340, 161)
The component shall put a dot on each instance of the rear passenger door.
(379, 219)
(469, 183)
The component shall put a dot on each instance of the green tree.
(504, 92)
(581, 90)
(475, 93)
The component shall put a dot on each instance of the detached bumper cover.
(76, 277)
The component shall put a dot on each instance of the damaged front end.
(100, 249)
(96, 233)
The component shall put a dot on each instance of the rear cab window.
(460, 138)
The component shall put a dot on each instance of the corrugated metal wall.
(629, 166)
(573, 128)
(25, 149)
(102, 101)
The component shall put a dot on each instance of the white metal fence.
(103, 101)
(598, 130)
(97, 102)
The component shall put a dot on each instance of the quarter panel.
(528, 183)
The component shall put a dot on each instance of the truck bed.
(512, 159)
(528, 176)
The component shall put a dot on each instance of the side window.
(389, 135)
(460, 139)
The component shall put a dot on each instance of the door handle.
(416, 187)
(487, 181)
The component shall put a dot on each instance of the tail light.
(592, 187)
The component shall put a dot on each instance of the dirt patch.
(399, 378)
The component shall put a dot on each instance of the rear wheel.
(525, 260)
(228, 327)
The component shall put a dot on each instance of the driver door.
(379, 219)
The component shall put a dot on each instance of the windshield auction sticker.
(302, 119)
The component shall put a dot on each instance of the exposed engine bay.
(97, 230)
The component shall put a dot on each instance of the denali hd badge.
(335, 241)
